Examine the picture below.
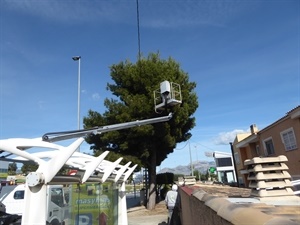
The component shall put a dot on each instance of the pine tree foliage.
(133, 99)
(134, 86)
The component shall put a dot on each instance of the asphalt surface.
(139, 215)
(148, 220)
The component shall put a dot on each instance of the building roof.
(252, 138)
(217, 154)
(241, 136)
(293, 114)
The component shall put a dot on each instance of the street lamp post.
(191, 161)
(77, 58)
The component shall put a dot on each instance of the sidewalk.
(141, 216)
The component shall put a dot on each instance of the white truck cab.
(13, 199)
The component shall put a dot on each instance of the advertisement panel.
(93, 204)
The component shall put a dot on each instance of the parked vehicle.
(12, 197)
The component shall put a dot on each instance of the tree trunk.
(152, 175)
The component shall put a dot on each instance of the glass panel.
(223, 162)
(269, 147)
(93, 204)
(289, 140)
(57, 196)
(19, 195)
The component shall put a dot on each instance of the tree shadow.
(163, 223)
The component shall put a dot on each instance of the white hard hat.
(174, 187)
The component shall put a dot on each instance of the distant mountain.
(201, 166)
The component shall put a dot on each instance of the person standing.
(171, 200)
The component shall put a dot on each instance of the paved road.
(148, 220)
(138, 215)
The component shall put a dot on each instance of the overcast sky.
(243, 55)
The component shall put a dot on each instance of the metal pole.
(191, 161)
(234, 164)
(78, 58)
(78, 105)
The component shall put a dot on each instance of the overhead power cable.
(138, 29)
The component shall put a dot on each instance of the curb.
(134, 209)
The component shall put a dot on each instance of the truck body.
(12, 197)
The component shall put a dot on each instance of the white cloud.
(158, 14)
(96, 96)
(190, 12)
(224, 138)
(69, 11)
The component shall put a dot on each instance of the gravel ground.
(224, 190)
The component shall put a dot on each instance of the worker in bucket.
(171, 200)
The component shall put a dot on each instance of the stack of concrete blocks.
(269, 177)
(189, 180)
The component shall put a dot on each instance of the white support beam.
(35, 209)
(91, 166)
(123, 220)
(110, 169)
(122, 206)
(121, 171)
(129, 172)
(51, 167)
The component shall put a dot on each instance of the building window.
(237, 158)
(288, 139)
(221, 162)
(269, 147)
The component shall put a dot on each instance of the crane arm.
(65, 135)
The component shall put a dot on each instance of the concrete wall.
(201, 208)
(194, 211)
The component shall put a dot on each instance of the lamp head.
(76, 58)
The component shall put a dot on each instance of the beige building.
(280, 138)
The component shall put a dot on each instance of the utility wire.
(138, 29)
